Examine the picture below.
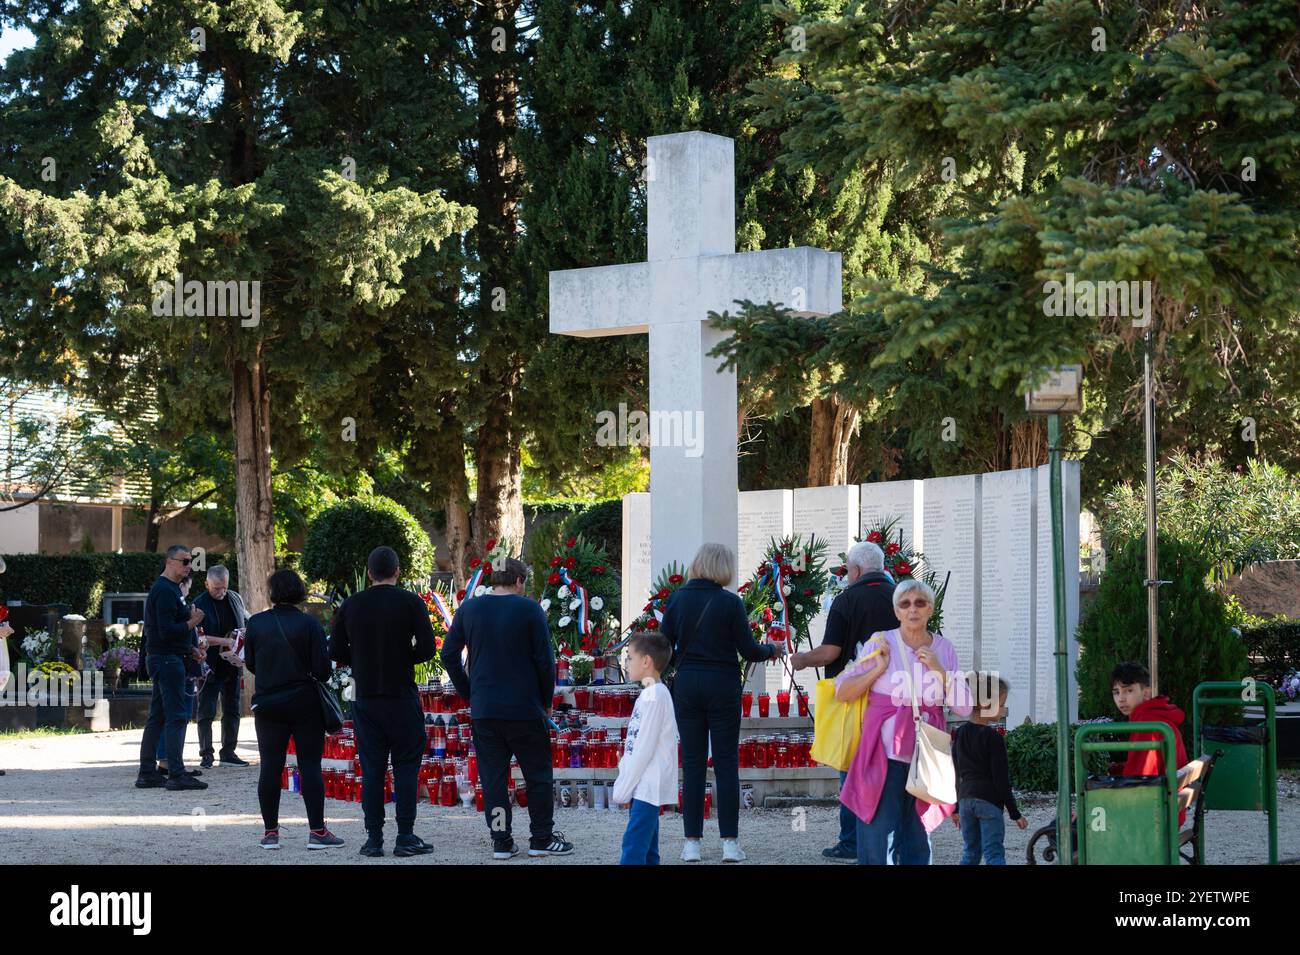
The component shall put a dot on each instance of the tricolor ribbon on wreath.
(442, 607)
(584, 617)
(474, 582)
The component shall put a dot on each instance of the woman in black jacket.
(284, 649)
(709, 631)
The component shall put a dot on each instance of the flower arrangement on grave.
(902, 562)
(786, 589)
(668, 582)
(1289, 686)
(441, 608)
(579, 598)
(37, 647)
(119, 657)
(580, 665)
(340, 682)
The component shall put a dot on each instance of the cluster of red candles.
(765, 704)
(587, 748)
(436, 698)
(776, 752)
(612, 701)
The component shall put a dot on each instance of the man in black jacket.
(167, 626)
(510, 684)
(223, 610)
(865, 606)
(382, 633)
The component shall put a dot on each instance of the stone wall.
(1270, 588)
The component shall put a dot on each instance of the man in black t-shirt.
(865, 606)
(223, 612)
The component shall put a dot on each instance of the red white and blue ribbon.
(474, 581)
(778, 581)
(442, 607)
(584, 618)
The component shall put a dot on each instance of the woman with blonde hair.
(893, 825)
(709, 632)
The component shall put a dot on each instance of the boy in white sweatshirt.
(647, 773)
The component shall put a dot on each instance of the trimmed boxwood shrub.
(1031, 757)
(342, 536)
(1197, 642)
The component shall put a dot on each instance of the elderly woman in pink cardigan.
(893, 826)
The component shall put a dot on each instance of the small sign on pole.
(1061, 393)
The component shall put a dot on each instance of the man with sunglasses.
(167, 626)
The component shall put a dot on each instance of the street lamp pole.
(1152, 583)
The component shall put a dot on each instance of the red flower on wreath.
(743, 587)
(675, 579)
(892, 548)
(460, 595)
(492, 542)
(903, 567)
(598, 569)
(571, 562)
(662, 593)
(807, 592)
(566, 651)
(767, 615)
(553, 579)
(648, 607)
(473, 564)
(555, 561)
(874, 537)
(652, 624)
(570, 542)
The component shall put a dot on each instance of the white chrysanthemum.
(613, 623)
(777, 607)
(480, 590)
(786, 590)
(564, 591)
(597, 603)
(575, 603)
(546, 605)
(564, 621)
(350, 692)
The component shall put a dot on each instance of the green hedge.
(79, 581)
(1031, 757)
(1274, 649)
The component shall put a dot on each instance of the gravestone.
(636, 555)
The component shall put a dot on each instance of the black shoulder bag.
(331, 712)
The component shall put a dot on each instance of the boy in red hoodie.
(1130, 685)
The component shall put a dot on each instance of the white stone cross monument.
(692, 268)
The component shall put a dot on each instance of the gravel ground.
(71, 800)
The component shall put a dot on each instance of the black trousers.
(707, 705)
(389, 727)
(302, 720)
(529, 741)
(227, 691)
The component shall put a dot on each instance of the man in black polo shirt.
(865, 606)
(382, 632)
(167, 626)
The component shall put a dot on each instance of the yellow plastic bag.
(837, 726)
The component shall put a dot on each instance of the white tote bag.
(932, 777)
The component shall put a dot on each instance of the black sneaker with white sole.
(504, 850)
(230, 759)
(554, 846)
(271, 840)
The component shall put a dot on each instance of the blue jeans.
(848, 823)
(161, 751)
(895, 836)
(982, 829)
(641, 838)
(168, 714)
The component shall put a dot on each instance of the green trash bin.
(1126, 820)
(1245, 776)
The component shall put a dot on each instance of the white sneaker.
(731, 851)
(691, 850)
